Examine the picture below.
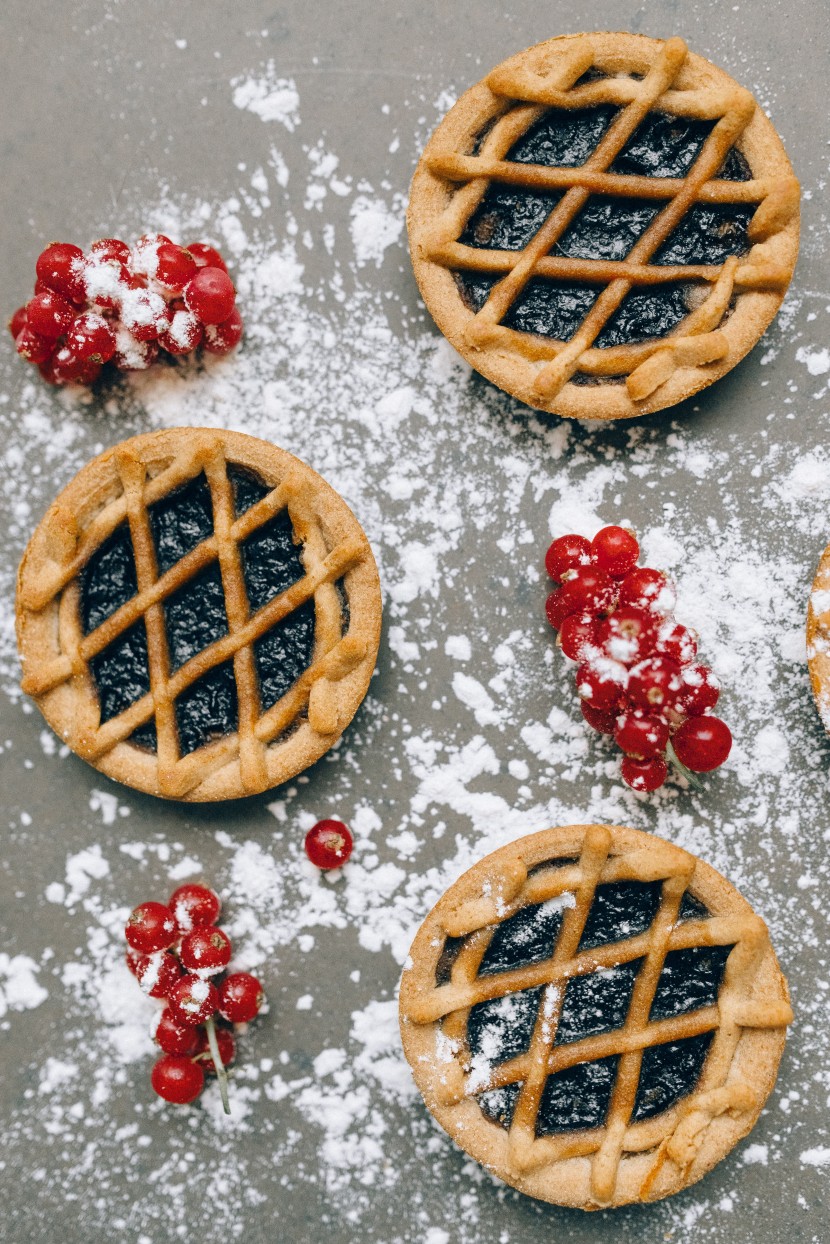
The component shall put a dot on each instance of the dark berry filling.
(607, 227)
(578, 1097)
(195, 615)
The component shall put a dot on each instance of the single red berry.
(615, 550)
(131, 354)
(194, 906)
(227, 1050)
(557, 608)
(702, 743)
(328, 844)
(602, 722)
(206, 951)
(224, 337)
(134, 959)
(649, 589)
(656, 684)
(151, 927)
(184, 333)
(210, 295)
(64, 367)
(90, 338)
(111, 248)
(701, 690)
(177, 1079)
(567, 553)
(589, 590)
(193, 1000)
(18, 322)
(629, 634)
(59, 267)
(49, 314)
(144, 314)
(175, 1038)
(578, 636)
(601, 683)
(32, 347)
(206, 256)
(144, 255)
(240, 997)
(158, 973)
(644, 775)
(640, 735)
(174, 266)
(105, 281)
(676, 641)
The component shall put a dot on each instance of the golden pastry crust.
(743, 293)
(269, 747)
(622, 1161)
(818, 638)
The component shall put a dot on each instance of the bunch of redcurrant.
(637, 677)
(124, 305)
(175, 951)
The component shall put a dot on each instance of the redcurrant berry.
(194, 906)
(158, 973)
(59, 267)
(131, 354)
(615, 550)
(32, 347)
(567, 553)
(656, 684)
(702, 743)
(676, 641)
(240, 997)
(601, 683)
(144, 255)
(105, 281)
(227, 1050)
(328, 844)
(151, 927)
(224, 337)
(176, 1038)
(111, 248)
(49, 314)
(557, 608)
(628, 635)
(193, 1000)
(206, 951)
(183, 335)
(18, 322)
(64, 367)
(649, 589)
(701, 690)
(90, 338)
(644, 775)
(210, 295)
(144, 314)
(134, 960)
(588, 590)
(174, 266)
(598, 720)
(578, 636)
(641, 736)
(206, 256)
(177, 1079)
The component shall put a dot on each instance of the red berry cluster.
(122, 305)
(637, 677)
(174, 951)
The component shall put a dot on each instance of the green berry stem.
(221, 1076)
(677, 763)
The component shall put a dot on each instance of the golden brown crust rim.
(268, 748)
(745, 293)
(621, 1162)
(818, 638)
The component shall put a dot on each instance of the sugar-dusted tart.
(604, 225)
(818, 638)
(198, 614)
(595, 1015)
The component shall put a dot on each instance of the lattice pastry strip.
(469, 154)
(122, 486)
(624, 1158)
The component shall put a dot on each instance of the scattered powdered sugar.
(459, 490)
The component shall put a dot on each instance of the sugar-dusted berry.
(240, 997)
(177, 1079)
(567, 553)
(328, 844)
(151, 927)
(615, 550)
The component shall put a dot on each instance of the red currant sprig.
(173, 950)
(636, 676)
(122, 305)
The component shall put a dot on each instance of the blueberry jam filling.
(607, 227)
(578, 1097)
(195, 615)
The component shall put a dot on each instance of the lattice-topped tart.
(604, 224)
(594, 1014)
(198, 614)
(818, 638)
